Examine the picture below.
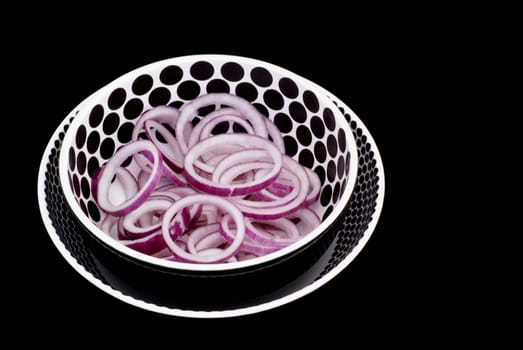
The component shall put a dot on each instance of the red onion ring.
(162, 114)
(150, 206)
(205, 237)
(110, 169)
(280, 207)
(250, 141)
(223, 115)
(247, 245)
(189, 110)
(308, 220)
(264, 237)
(219, 202)
(170, 150)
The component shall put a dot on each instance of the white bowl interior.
(315, 133)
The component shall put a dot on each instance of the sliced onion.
(314, 189)
(275, 135)
(150, 244)
(189, 111)
(170, 150)
(255, 198)
(263, 236)
(250, 142)
(204, 237)
(110, 226)
(248, 158)
(224, 114)
(162, 114)
(270, 210)
(308, 220)
(248, 245)
(110, 169)
(232, 119)
(149, 207)
(219, 202)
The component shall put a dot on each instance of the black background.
(383, 69)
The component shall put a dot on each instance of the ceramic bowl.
(188, 296)
(315, 133)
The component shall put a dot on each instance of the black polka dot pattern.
(142, 84)
(298, 112)
(288, 87)
(96, 116)
(218, 85)
(332, 145)
(159, 96)
(86, 189)
(335, 193)
(317, 127)
(261, 77)
(64, 221)
(107, 148)
(311, 101)
(291, 147)
(328, 118)
(306, 158)
(92, 166)
(206, 110)
(304, 135)
(261, 108)
(273, 99)
(232, 71)
(111, 123)
(247, 91)
(171, 75)
(362, 206)
(76, 185)
(81, 162)
(125, 132)
(176, 104)
(81, 135)
(133, 108)
(116, 98)
(283, 122)
(72, 159)
(93, 210)
(331, 170)
(188, 90)
(320, 171)
(202, 70)
(326, 195)
(320, 152)
(93, 141)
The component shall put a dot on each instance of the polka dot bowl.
(315, 133)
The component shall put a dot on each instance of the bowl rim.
(297, 246)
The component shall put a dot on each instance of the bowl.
(183, 295)
(315, 133)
